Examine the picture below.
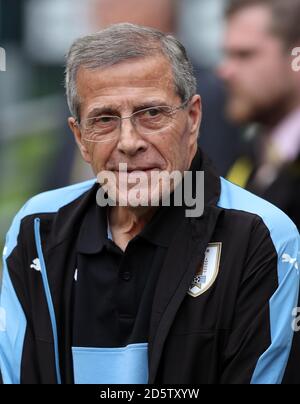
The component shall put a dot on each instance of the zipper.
(38, 243)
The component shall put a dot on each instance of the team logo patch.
(36, 265)
(208, 272)
(287, 259)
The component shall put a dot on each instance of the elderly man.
(143, 292)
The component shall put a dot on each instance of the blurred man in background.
(264, 90)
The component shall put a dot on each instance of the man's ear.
(78, 138)
(194, 117)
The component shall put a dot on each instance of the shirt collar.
(286, 137)
(94, 233)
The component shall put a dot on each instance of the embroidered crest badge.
(208, 272)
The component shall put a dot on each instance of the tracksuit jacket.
(239, 328)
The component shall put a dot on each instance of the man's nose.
(130, 141)
(226, 70)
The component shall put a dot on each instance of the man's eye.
(103, 120)
(153, 113)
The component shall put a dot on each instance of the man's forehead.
(144, 72)
(253, 21)
(130, 87)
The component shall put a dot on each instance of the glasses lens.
(154, 119)
(104, 128)
(101, 128)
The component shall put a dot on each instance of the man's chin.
(240, 113)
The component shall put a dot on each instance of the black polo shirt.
(114, 290)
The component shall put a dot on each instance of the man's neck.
(278, 114)
(125, 223)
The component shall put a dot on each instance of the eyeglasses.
(148, 121)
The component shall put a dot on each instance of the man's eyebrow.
(115, 109)
(149, 104)
(108, 109)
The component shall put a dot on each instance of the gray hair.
(121, 42)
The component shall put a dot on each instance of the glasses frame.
(173, 110)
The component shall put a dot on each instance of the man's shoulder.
(237, 198)
(52, 201)
(44, 203)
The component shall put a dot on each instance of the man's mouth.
(145, 170)
(137, 169)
